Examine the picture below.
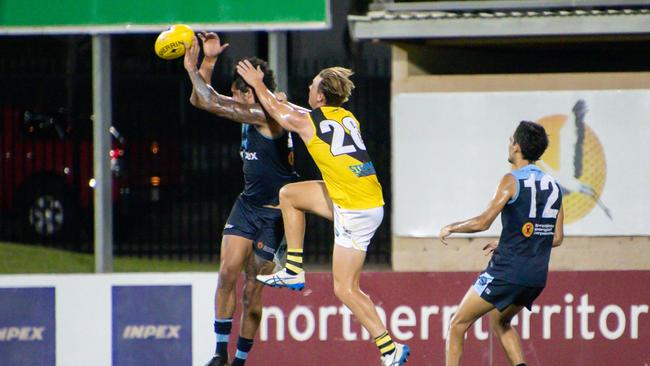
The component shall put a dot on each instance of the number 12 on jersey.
(546, 183)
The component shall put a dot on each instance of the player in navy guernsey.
(254, 229)
(530, 204)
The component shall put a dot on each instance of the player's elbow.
(483, 223)
(199, 102)
(558, 238)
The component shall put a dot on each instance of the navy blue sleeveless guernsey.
(268, 165)
(528, 221)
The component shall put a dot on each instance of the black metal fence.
(177, 169)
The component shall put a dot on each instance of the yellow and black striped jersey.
(341, 156)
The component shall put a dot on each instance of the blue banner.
(152, 325)
(27, 333)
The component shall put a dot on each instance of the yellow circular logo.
(576, 159)
(528, 229)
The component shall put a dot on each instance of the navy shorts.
(262, 225)
(502, 294)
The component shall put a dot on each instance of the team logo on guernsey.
(363, 170)
(528, 229)
(576, 158)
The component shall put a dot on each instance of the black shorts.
(262, 225)
(502, 294)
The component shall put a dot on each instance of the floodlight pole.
(102, 119)
(278, 59)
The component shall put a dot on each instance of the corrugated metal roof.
(501, 19)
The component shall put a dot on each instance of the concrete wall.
(576, 253)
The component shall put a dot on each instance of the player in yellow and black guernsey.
(341, 156)
(350, 194)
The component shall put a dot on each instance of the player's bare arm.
(212, 48)
(288, 116)
(209, 100)
(505, 191)
(558, 237)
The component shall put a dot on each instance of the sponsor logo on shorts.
(229, 226)
(528, 229)
(261, 246)
(482, 281)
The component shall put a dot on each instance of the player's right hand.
(191, 55)
(490, 247)
(444, 233)
(212, 46)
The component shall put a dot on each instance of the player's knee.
(286, 195)
(228, 276)
(499, 325)
(458, 324)
(342, 291)
(252, 303)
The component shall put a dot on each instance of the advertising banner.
(152, 325)
(27, 326)
(450, 151)
(581, 318)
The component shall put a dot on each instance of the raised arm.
(206, 98)
(212, 48)
(290, 117)
(505, 191)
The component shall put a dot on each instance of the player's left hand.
(444, 233)
(212, 46)
(253, 76)
(490, 247)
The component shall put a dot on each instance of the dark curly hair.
(532, 140)
(269, 76)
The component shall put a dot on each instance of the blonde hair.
(336, 85)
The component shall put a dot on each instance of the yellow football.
(170, 43)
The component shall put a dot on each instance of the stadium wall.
(166, 319)
(605, 251)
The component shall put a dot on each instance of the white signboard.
(450, 152)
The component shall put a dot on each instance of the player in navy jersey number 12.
(530, 204)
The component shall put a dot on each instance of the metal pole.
(101, 147)
(278, 58)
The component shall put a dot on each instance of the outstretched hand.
(444, 234)
(253, 76)
(191, 55)
(212, 46)
(490, 247)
